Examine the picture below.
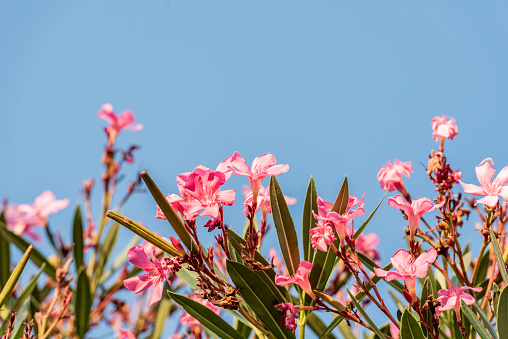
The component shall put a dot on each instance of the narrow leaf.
(328, 331)
(409, 327)
(499, 257)
(5, 256)
(426, 292)
(15, 275)
(170, 214)
(107, 247)
(285, 227)
(331, 301)
(144, 233)
(77, 237)
(366, 222)
(495, 297)
(83, 305)
(206, 317)
(308, 222)
(502, 314)
(485, 320)
(317, 325)
(259, 297)
(242, 328)
(475, 322)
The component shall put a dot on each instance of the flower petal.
(485, 171)
(401, 260)
(138, 284)
(138, 257)
(473, 189)
(489, 200)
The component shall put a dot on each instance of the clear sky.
(329, 87)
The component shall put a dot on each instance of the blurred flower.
(262, 167)
(442, 128)
(288, 319)
(414, 211)
(157, 273)
(301, 278)
(408, 270)
(391, 175)
(263, 201)
(188, 320)
(489, 189)
(125, 334)
(450, 298)
(366, 243)
(394, 330)
(126, 120)
(44, 205)
(20, 223)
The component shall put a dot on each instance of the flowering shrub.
(229, 290)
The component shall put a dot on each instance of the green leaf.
(259, 297)
(242, 328)
(308, 221)
(502, 314)
(495, 297)
(426, 292)
(331, 301)
(163, 311)
(5, 256)
(366, 222)
(37, 258)
(364, 314)
(317, 325)
(170, 214)
(15, 275)
(83, 305)
(107, 247)
(499, 257)
(24, 297)
(285, 227)
(409, 327)
(77, 237)
(485, 320)
(328, 331)
(475, 322)
(206, 317)
(268, 276)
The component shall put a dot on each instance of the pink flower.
(394, 330)
(340, 220)
(366, 244)
(188, 320)
(391, 175)
(442, 128)
(263, 201)
(288, 319)
(414, 211)
(301, 278)
(157, 270)
(20, 223)
(262, 167)
(408, 270)
(125, 334)
(126, 120)
(44, 205)
(489, 189)
(322, 236)
(450, 298)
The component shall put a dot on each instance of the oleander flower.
(407, 269)
(158, 271)
(20, 223)
(413, 210)
(322, 236)
(490, 189)
(125, 334)
(443, 128)
(390, 176)
(44, 205)
(263, 200)
(451, 297)
(288, 319)
(301, 278)
(125, 120)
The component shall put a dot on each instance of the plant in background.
(327, 280)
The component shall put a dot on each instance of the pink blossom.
(125, 334)
(158, 271)
(263, 201)
(44, 205)
(413, 210)
(288, 319)
(126, 120)
(442, 128)
(20, 223)
(301, 278)
(322, 236)
(339, 221)
(394, 330)
(408, 270)
(390, 176)
(262, 167)
(278, 264)
(366, 243)
(188, 320)
(489, 189)
(450, 298)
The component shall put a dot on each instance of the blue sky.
(329, 87)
